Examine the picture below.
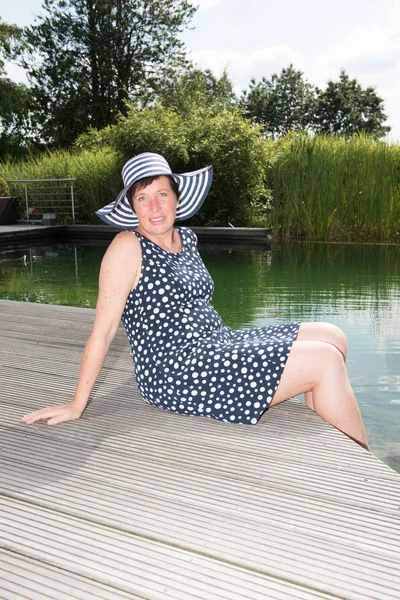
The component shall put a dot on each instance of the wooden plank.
(22, 577)
(143, 503)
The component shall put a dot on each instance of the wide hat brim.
(193, 188)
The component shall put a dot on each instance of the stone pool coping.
(20, 233)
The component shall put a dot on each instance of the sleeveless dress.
(185, 359)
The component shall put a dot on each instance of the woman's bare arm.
(119, 272)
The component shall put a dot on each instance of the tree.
(88, 57)
(197, 88)
(284, 103)
(15, 119)
(346, 108)
(15, 114)
(10, 42)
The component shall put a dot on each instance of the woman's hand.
(54, 414)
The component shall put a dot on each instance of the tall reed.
(97, 172)
(335, 188)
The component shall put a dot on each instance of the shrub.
(4, 188)
(222, 138)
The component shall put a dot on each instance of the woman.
(185, 360)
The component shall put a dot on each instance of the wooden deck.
(133, 502)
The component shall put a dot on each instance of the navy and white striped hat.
(193, 188)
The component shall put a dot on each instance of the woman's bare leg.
(309, 400)
(318, 367)
(322, 332)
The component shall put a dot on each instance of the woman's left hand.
(55, 414)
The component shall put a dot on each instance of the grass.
(328, 188)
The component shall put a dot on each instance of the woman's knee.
(324, 332)
(325, 360)
(335, 336)
(330, 356)
(309, 363)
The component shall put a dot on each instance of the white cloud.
(372, 49)
(206, 4)
(241, 67)
(367, 49)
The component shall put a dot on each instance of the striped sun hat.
(193, 188)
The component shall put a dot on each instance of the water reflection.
(298, 280)
(356, 287)
(58, 274)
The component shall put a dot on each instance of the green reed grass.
(97, 171)
(333, 188)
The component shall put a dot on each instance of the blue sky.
(255, 38)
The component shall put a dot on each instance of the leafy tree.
(284, 103)
(88, 57)
(16, 119)
(15, 114)
(346, 108)
(10, 42)
(195, 88)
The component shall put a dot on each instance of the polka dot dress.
(185, 359)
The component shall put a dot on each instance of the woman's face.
(155, 206)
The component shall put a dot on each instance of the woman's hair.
(142, 183)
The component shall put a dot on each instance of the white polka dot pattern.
(185, 359)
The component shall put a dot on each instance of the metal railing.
(40, 196)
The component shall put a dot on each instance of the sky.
(256, 38)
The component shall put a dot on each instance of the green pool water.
(356, 287)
